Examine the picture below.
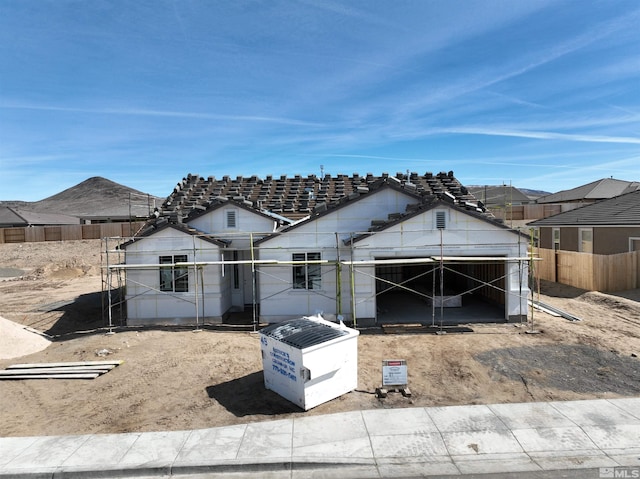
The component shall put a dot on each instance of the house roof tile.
(596, 190)
(297, 197)
(499, 195)
(621, 210)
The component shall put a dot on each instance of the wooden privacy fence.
(593, 272)
(67, 232)
(525, 212)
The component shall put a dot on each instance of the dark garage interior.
(474, 292)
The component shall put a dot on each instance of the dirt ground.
(174, 379)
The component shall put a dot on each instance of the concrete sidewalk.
(436, 441)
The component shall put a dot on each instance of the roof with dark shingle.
(297, 197)
(619, 211)
(500, 195)
(18, 217)
(596, 190)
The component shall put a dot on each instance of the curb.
(225, 467)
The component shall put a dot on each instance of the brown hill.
(94, 197)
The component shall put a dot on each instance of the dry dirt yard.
(179, 379)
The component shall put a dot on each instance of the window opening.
(236, 271)
(556, 239)
(586, 240)
(306, 276)
(174, 278)
(441, 220)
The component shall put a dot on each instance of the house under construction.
(369, 249)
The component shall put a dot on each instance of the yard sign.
(394, 373)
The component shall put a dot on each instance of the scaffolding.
(339, 257)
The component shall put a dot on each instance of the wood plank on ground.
(64, 370)
(55, 376)
(65, 364)
(77, 369)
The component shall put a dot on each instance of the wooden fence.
(525, 212)
(593, 272)
(68, 232)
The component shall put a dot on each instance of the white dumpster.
(309, 360)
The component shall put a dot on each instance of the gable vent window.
(441, 220)
(232, 219)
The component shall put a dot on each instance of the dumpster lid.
(302, 333)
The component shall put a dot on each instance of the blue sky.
(537, 94)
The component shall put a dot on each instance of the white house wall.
(415, 237)
(146, 304)
(463, 235)
(215, 222)
(278, 300)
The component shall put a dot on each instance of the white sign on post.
(394, 373)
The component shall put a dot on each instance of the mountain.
(94, 197)
(533, 194)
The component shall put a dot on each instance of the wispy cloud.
(536, 59)
(488, 88)
(619, 165)
(10, 161)
(166, 113)
(624, 169)
(370, 157)
(539, 135)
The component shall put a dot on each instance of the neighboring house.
(606, 227)
(510, 205)
(14, 217)
(355, 242)
(590, 193)
(505, 202)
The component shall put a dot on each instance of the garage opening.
(472, 292)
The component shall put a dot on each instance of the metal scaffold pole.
(441, 280)
(532, 273)
(195, 279)
(353, 285)
(433, 298)
(520, 271)
(254, 308)
(109, 287)
(338, 278)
